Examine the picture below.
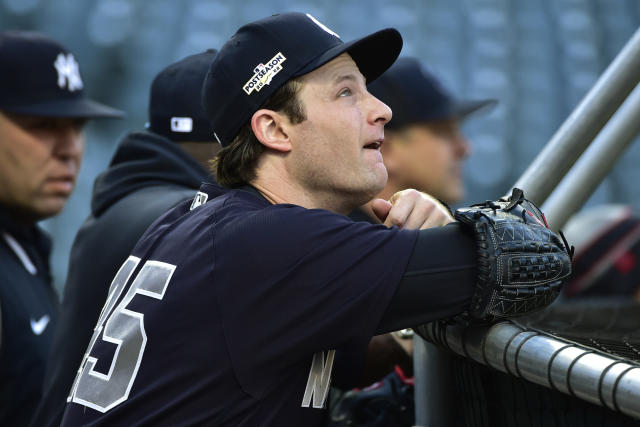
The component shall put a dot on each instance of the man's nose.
(380, 112)
(68, 141)
(463, 148)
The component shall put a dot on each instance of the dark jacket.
(147, 176)
(28, 316)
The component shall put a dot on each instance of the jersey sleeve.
(304, 281)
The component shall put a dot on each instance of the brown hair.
(235, 165)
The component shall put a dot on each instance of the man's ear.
(270, 128)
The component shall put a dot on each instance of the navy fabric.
(142, 160)
(258, 289)
(26, 302)
(148, 176)
(171, 100)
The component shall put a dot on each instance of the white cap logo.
(321, 25)
(68, 72)
(181, 124)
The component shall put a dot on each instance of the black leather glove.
(522, 265)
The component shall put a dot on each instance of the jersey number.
(125, 329)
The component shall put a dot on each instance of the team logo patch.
(181, 124)
(264, 73)
(68, 72)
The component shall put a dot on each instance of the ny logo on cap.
(321, 25)
(68, 73)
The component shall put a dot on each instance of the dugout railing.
(565, 357)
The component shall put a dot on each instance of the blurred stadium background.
(537, 57)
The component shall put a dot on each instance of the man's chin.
(48, 207)
(453, 196)
(359, 196)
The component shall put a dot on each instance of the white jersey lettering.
(319, 380)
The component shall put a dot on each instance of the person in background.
(150, 172)
(424, 146)
(43, 109)
(424, 149)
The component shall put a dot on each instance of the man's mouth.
(62, 184)
(374, 145)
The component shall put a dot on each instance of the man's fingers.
(437, 219)
(421, 214)
(381, 208)
(414, 210)
(400, 211)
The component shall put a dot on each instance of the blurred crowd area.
(537, 57)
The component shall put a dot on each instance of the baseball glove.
(521, 263)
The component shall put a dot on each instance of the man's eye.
(345, 92)
(41, 125)
(78, 124)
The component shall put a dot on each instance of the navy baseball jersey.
(229, 314)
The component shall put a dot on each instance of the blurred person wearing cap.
(43, 108)
(424, 145)
(423, 150)
(151, 171)
(230, 309)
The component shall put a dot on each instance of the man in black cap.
(43, 109)
(150, 173)
(230, 309)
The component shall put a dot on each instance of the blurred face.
(428, 157)
(336, 150)
(39, 162)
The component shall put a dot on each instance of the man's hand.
(410, 209)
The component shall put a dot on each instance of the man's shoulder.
(251, 213)
(124, 222)
(149, 203)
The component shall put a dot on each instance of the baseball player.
(150, 173)
(43, 109)
(230, 309)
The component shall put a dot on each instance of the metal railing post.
(584, 123)
(435, 408)
(543, 175)
(596, 162)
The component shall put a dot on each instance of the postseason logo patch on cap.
(264, 73)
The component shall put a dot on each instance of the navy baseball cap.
(175, 108)
(414, 95)
(38, 76)
(265, 54)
